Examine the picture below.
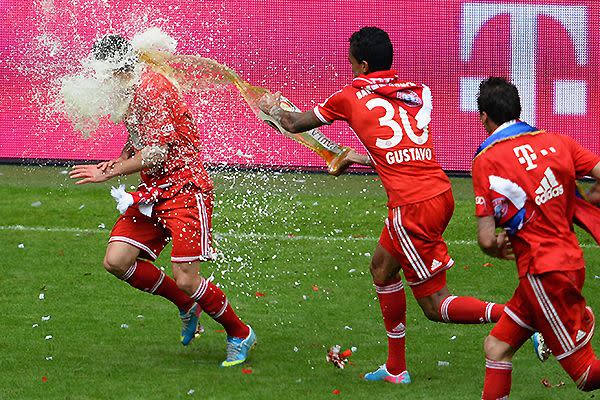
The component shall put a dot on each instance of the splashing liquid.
(195, 73)
(189, 73)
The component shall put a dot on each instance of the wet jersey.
(158, 115)
(533, 171)
(391, 118)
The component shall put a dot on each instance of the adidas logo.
(580, 335)
(549, 188)
(399, 328)
(435, 264)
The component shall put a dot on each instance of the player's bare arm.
(126, 153)
(495, 245)
(294, 122)
(350, 158)
(148, 157)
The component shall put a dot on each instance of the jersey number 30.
(423, 118)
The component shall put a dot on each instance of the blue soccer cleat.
(382, 374)
(238, 349)
(540, 348)
(189, 324)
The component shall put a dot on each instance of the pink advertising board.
(550, 49)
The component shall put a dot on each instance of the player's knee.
(115, 265)
(186, 283)
(496, 350)
(432, 313)
(379, 272)
(430, 308)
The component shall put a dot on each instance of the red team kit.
(187, 187)
(391, 118)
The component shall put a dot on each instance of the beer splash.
(92, 94)
(194, 73)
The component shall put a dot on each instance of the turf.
(301, 240)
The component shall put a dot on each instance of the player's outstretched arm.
(126, 153)
(294, 122)
(91, 173)
(495, 245)
(347, 159)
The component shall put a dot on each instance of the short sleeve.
(155, 115)
(333, 109)
(481, 188)
(583, 159)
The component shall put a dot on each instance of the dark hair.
(374, 46)
(499, 99)
(114, 48)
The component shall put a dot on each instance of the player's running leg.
(392, 300)
(584, 368)
(441, 306)
(572, 346)
(498, 369)
(240, 337)
(122, 260)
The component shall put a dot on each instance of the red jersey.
(391, 119)
(536, 171)
(158, 115)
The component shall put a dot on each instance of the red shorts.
(185, 219)
(553, 305)
(413, 235)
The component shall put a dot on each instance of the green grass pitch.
(302, 240)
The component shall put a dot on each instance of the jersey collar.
(505, 131)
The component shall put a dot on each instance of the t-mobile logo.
(524, 41)
(526, 156)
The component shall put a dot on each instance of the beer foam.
(94, 93)
(153, 39)
(86, 98)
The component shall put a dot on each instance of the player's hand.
(104, 166)
(88, 174)
(345, 159)
(268, 101)
(504, 247)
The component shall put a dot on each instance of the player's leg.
(240, 337)
(584, 368)
(567, 324)
(122, 260)
(498, 369)
(136, 238)
(188, 220)
(441, 306)
(392, 301)
(418, 228)
(504, 340)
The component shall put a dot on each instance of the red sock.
(144, 276)
(591, 380)
(584, 368)
(469, 310)
(392, 301)
(496, 385)
(214, 302)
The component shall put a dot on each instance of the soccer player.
(524, 181)
(391, 118)
(163, 146)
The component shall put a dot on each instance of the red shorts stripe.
(413, 236)
(553, 305)
(184, 219)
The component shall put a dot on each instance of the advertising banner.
(549, 49)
